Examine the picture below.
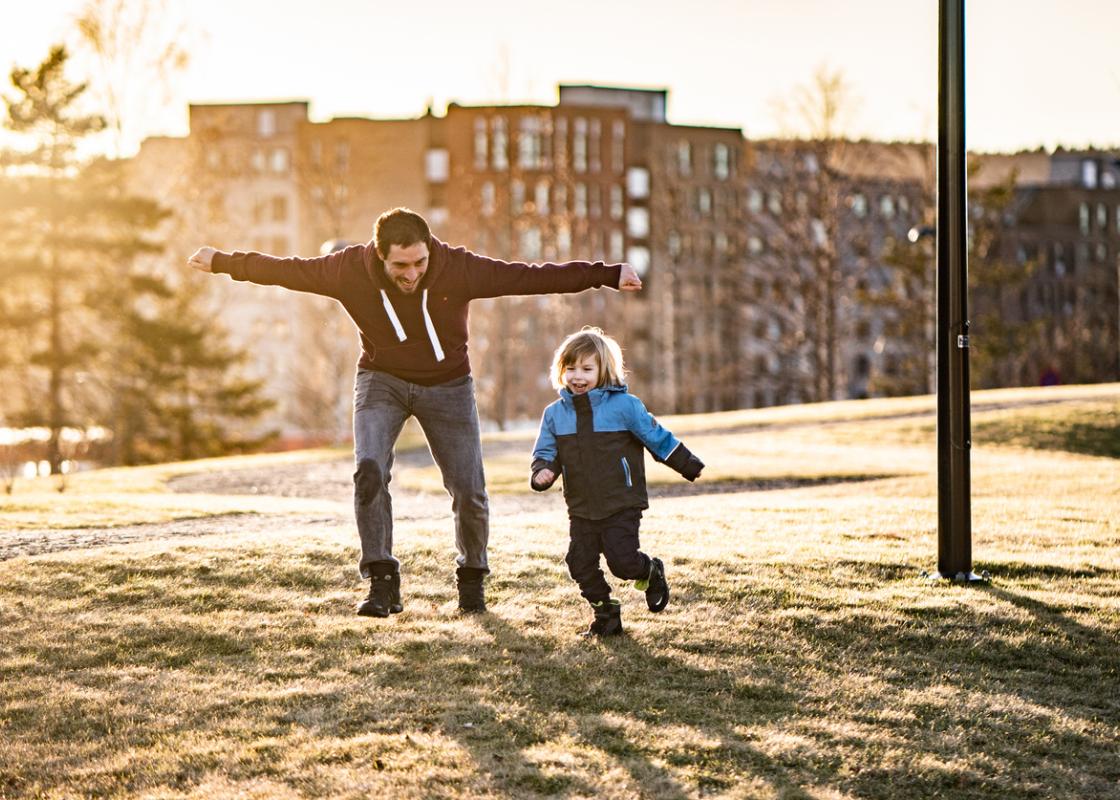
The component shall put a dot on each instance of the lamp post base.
(960, 577)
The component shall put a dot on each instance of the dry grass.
(803, 655)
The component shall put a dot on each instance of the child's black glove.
(684, 462)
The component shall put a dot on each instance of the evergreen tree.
(179, 394)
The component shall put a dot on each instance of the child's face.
(583, 375)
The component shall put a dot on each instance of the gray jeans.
(449, 418)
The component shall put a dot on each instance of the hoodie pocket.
(626, 472)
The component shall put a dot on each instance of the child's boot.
(608, 619)
(655, 586)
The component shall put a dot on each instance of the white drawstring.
(431, 328)
(393, 316)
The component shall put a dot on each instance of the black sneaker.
(472, 596)
(608, 619)
(657, 590)
(384, 594)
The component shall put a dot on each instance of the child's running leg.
(583, 560)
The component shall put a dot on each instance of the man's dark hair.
(402, 227)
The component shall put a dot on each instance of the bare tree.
(138, 49)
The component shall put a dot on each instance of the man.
(409, 294)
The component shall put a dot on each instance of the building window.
(540, 196)
(721, 243)
(258, 214)
(812, 165)
(278, 159)
(480, 143)
(616, 201)
(637, 222)
(266, 122)
(595, 146)
(258, 160)
(516, 196)
(1102, 216)
(1059, 260)
(563, 242)
(859, 205)
(721, 161)
(579, 202)
(886, 206)
(637, 182)
(774, 203)
(617, 245)
(560, 199)
(618, 146)
(1108, 180)
(560, 142)
(820, 232)
(579, 145)
(437, 165)
(1102, 252)
(704, 201)
(499, 142)
(530, 150)
(684, 158)
(754, 246)
(1083, 218)
(674, 242)
(488, 199)
(754, 201)
(639, 259)
(531, 243)
(1089, 173)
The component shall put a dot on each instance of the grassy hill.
(803, 654)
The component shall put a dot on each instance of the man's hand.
(202, 259)
(544, 477)
(628, 280)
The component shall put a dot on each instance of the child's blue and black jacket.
(595, 440)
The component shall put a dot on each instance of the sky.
(1038, 72)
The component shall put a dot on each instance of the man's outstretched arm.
(320, 275)
(491, 277)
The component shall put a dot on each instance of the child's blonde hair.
(590, 341)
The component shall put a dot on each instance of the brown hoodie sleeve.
(321, 275)
(489, 277)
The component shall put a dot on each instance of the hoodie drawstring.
(428, 324)
(393, 316)
(431, 328)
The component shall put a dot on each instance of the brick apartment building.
(722, 230)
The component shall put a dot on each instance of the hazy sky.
(1038, 72)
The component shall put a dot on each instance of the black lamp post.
(954, 438)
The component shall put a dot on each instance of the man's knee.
(368, 481)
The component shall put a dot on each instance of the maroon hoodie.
(420, 337)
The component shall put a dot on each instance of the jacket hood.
(596, 395)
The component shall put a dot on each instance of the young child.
(594, 436)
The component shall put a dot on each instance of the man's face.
(405, 266)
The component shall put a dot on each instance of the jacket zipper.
(626, 469)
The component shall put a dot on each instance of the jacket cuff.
(538, 465)
(683, 461)
(221, 263)
(615, 276)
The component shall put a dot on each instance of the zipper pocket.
(626, 469)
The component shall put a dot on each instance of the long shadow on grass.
(619, 680)
(731, 486)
